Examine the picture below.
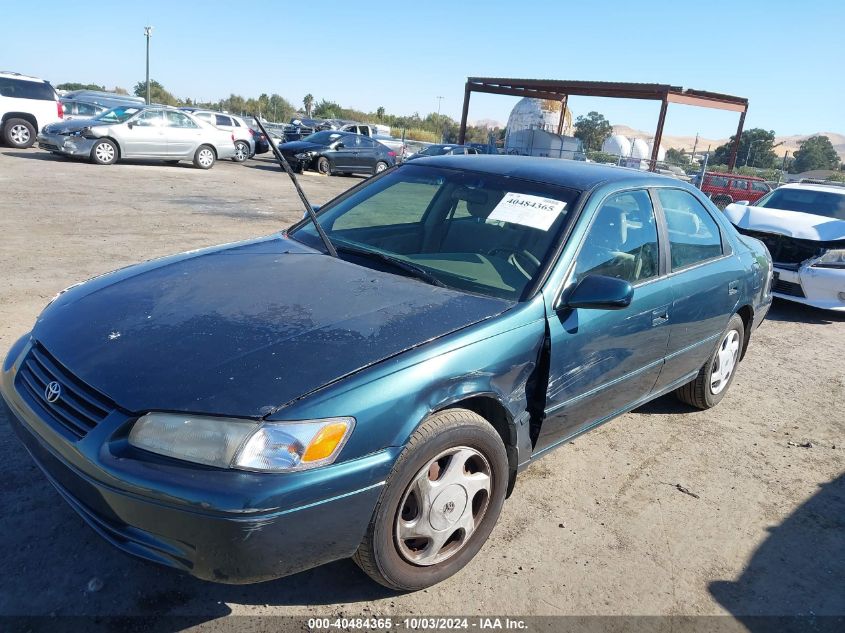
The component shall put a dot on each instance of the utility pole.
(694, 145)
(148, 32)
(439, 101)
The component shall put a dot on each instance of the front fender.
(494, 359)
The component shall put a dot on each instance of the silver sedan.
(139, 131)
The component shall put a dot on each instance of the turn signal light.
(325, 442)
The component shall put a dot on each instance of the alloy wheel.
(206, 157)
(724, 362)
(442, 506)
(19, 134)
(241, 152)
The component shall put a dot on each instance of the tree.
(380, 113)
(755, 150)
(77, 86)
(816, 152)
(157, 93)
(327, 110)
(592, 130)
(308, 102)
(677, 157)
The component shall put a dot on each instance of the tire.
(381, 166)
(204, 157)
(104, 152)
(19, 133)
(721, 201)
(241, 152)
(708, 388)
(324, 166)
(455, 443)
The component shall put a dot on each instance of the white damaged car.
(803, 226)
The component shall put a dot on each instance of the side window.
(403, 203)
(717, 181)
(622, 240)
(693, 234)
(739, 184)
(759, 187)
(367, 143)
(178, 119)
(86, 109)
(219, 119)
(148, 118)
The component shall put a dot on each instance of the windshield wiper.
(313, 216)
(417, 271)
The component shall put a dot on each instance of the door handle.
(733, 287)
(659, 316)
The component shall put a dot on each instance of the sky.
(785, 57)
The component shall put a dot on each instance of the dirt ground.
(598, 527)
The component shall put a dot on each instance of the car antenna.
(308, 208)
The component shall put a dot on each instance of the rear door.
(705, 283)
(183, 135)
(738, 189)
(345, 158)
(368, 155)
(603, 361)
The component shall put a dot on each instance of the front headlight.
(243, 444)
(304, 155)
(833, 258)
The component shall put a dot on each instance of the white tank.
(537, 114)
(618, 145)
(640, 149)
(661, 153)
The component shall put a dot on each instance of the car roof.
(734, 176)
(565, 173)
(14, 75)
(840, 189)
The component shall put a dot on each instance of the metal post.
(658, 135)
(462, 133)
(694, 145)
(148, 31)
(735, 148)
(563, 103)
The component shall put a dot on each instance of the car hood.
(295, 147)
(243, 329)
(802, 226)
(71, 125)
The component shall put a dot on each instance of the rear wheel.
(19, 133)
(104, 152)
(440, 503)
(204, 157)
(717, 374)
(721, 201)
(324, 166)
(241, 152)
(381, 166)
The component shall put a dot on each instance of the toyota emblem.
(52, 391)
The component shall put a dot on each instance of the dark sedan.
(448, 149)
(330, 152)
(247, 411)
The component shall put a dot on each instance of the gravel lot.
(599, 527)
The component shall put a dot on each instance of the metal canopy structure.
(560, 90)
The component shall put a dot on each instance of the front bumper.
(64, 144)
(219, 525)
(811, 285)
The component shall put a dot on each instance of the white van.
(27, 104)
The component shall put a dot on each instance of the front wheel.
(204, 157)
(717, 374)
(104, 152)
(440, 503)
(324, 166)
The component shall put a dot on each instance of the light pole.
(439, 101)
(148, 31)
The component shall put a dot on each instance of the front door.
(143, 136)
(603, 361)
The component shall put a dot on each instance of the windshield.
(436, 150)
(323, 138)
(118, 115)
(474, 232)
(825, 203)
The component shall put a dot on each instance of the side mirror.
(339, 146)
(131, 124)
(597, 292)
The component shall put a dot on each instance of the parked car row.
(329, 152)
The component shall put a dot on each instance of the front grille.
(78, 409)
(49, 146)
(787, 288)
(785, 249)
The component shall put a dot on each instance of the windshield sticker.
(534, 211)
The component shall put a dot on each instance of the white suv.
(27, 104)
(244, 143)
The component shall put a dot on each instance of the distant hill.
(790, 143)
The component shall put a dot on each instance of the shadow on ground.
(790, 311)
(799, 570)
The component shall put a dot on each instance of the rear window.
(20, 89)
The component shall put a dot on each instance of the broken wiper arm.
(417, 271)
(308, 208)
